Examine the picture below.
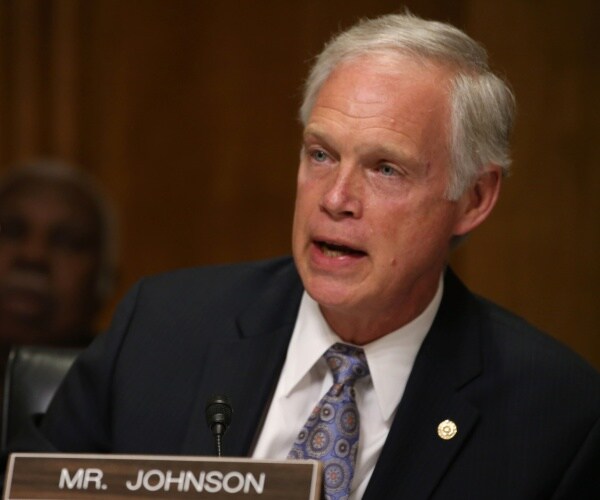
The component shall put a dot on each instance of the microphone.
(218, 417)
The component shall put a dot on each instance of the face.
(49, 261)
(372, 225)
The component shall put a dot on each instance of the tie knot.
(347, 363)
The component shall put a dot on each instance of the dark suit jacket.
(527, 409)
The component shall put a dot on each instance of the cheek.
(6, 258)
(404, 229)
(74, 277)
(307, 199)
(298, 222)
(390, 220)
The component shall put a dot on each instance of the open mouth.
(333, 250)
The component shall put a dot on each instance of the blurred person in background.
(57, 256)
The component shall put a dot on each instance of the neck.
(360, 328)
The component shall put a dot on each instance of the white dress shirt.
(305, 378)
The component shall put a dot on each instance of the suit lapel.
(414, 457)
(246, 368)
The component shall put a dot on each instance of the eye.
(13, 229)
(387, 170)
(318, 155)
(72, 240)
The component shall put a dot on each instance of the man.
(404, 147)
(56, 255)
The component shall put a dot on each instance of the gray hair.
(482, 104)
(61, 174)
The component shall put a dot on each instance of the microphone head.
(218, 411)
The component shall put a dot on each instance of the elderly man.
(422, 390)
(56, 255)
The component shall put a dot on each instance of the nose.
(33, 252)
(343, 196)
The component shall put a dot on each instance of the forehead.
(49, 202)
(392, 97)
(378, 83)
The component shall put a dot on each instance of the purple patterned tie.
(331, 432)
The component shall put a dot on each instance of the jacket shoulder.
(523, 343)
(213, 283)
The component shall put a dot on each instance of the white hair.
(482, 104)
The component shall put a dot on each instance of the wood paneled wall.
(185, 110)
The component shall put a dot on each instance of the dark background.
(185, 110)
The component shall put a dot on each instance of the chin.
(331, 295)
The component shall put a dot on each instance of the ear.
(477, 202)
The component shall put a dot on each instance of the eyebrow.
(314, 132)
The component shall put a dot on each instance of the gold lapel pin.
(447, 429)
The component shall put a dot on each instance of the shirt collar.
(390, 357)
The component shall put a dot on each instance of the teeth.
(336, 250)
(329, 252)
